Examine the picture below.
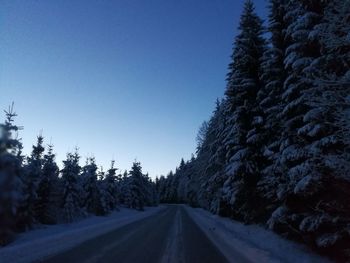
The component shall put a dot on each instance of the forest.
(35, 191)
(275, 151)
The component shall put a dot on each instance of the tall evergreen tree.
(298, 129)
(136, 198)
(31, 177)
(10, 182)
(242, 136)
(91, 199)
(48, 192)
(111, 186)
(217, 161)
(70, 176)
(270, 102)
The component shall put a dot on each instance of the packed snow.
(252, 242)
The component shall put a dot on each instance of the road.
(168, 236)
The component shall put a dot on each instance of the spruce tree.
(137, 195)
(91, 196)
(124, 188)
(48, 192)
(31, 177)
(71, 198)
(216, 164)
(242, 137)
(294, 156)
(10, 182)
(103, 198)
(270, 101)
(111, 186)
(316, 194)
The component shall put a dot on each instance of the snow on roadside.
(253, 242)
(40, 243)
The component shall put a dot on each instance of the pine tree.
(183, 183)
(270, 101)
(103, 198)
(70, 176)
(193, 182)
(31, 177)
(111, 186)
(242, 137)
(10, 182)
(124, 189)
(216, 163)
(48, 191)
(137, 195)
(317, 194)
(207, 133)
(91, 198)
(297, 133)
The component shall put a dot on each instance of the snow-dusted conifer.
(10, 182)
(71, 190)
(48, 192)
(243, 137)
(293, 158)
(31, 177)
(111, 186)
(137, 195)
(270, 102)
(91, 198)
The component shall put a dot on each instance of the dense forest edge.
(275, 152)
(35, 191)
(276, 149)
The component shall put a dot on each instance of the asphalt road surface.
(167, 236)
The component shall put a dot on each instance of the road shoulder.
(249, 243)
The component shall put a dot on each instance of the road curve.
(167, 236)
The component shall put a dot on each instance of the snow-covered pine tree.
(311, 147)
(183, 182)
(124, 189)
(193, 182)
(149, 190)
(319, 191)
(161, 188)
(270, 101)
(154, 196)
(103, 199)
(91, 196)
(31, 177)
(10, 182)
(137, 195)
(244, 120)
(48, 191)
(207, 135)
(111, 186)
(215, 166)
(71, 189)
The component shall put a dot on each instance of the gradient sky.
(121, 79)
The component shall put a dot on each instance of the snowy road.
(174, 233)
(167, 236)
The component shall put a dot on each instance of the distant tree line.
(33, 190)
(276, 149)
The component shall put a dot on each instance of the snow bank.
(40, 243)
(253, 242)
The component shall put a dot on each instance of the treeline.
(33, 190)
(276, 149)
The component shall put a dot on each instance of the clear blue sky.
(120, 79)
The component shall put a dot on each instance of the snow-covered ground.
(40, 243)
(253, 242)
